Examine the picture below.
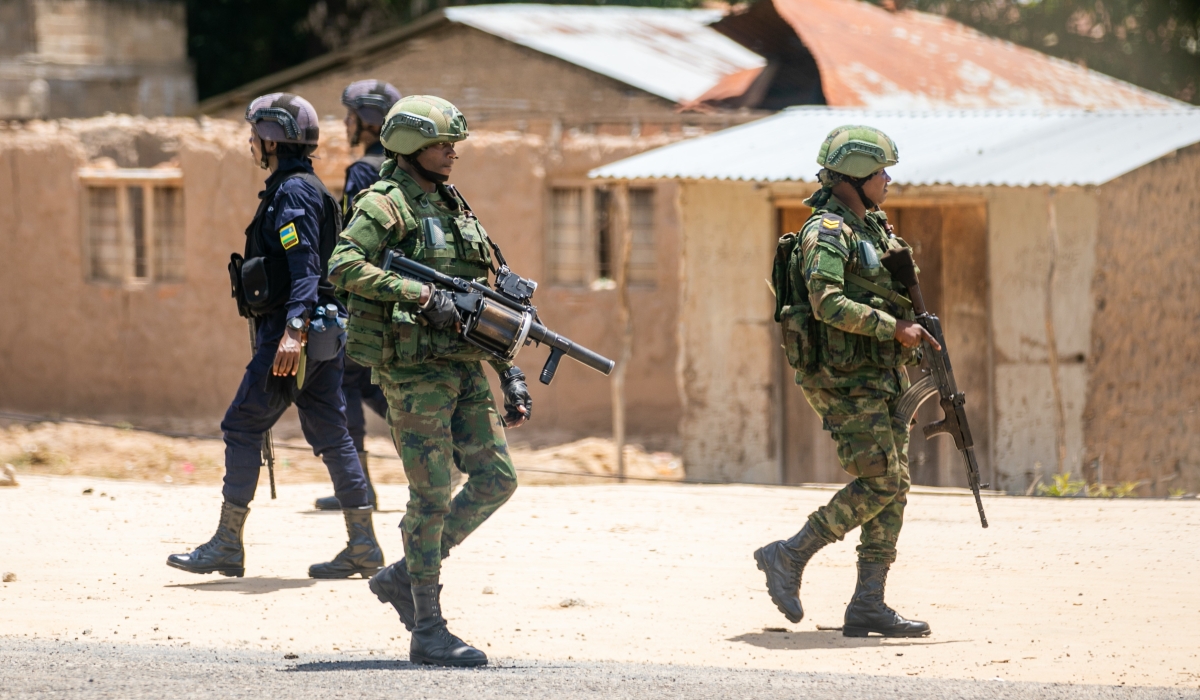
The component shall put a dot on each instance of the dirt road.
(1061, 591)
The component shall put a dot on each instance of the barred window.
(133, 225)
(642, 261)
(583, 246)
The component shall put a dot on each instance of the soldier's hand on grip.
(911, 334)
(518, 406)
(439, 310)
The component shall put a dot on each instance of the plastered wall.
(1020, 255)
(164, 352)
(104, 349)
(1141, 421)
(726, 329)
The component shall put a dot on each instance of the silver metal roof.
(984, 147)
(671, 53)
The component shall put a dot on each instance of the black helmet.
(284, 118)
(370, 100)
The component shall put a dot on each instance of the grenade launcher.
(500, 321)
(938, 379)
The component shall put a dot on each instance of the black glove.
(440, 311)
(516, 394)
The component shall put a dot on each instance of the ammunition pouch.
(369, 338)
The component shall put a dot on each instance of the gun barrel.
(559, 345)
(576, 352)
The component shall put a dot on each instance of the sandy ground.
(66, 448)
(1070, 591)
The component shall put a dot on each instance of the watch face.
(296, 322)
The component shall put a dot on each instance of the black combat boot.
(361, 555)
(392, 585)
(783, 563)
(332, 503)
(431, 642)
(868, 613)
(223, 553)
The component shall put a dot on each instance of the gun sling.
(877, 290)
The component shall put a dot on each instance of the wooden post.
(624, 239)
(1060, 417)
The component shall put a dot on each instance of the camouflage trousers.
(443, 416)
(874, 450)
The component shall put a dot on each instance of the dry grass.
(115, 453)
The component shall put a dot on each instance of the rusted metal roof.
(672, 53)
(963, 148)
(871, 57)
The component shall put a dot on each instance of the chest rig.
(438, 230)
(811, 345)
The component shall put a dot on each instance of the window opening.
(133, 224)
(604, 242)
(567, 233)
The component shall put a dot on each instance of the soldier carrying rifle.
(440, 405)
(849, 333)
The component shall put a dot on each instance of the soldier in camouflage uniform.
(440, 405)
(848, 332)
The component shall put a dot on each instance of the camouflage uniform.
(839, 309)
(440, 406)
(856, 387)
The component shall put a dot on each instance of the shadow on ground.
(822, 639)
(355, 665)
(254, 585)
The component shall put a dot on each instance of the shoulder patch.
(288, 236)
(831, 222)
(829, 232)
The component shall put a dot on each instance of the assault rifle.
(938, 379)
(500, 321)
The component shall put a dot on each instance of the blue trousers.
(358, 389)
(322, 418)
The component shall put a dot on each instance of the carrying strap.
(877, 290)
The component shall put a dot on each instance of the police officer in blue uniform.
(367, 103)
(281, 283)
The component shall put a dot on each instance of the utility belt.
(259, 285)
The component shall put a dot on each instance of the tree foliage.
(1151, 43)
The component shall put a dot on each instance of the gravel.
(51, 669)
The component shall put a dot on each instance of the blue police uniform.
(356, 381)
(292, 221)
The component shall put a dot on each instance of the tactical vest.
(375, 161)
(810, 344)
(274, 262)
(446, 238)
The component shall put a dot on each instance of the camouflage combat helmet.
(418, 121)
(857, 151)
(284, 118)
(370, 100)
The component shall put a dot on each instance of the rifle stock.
(953, 402)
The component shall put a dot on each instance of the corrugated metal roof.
(671, 53)
(870, 57)
(969, 147)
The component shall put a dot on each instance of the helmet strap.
(857, 183)
(264, 160)
(411, 159)
(357, 133)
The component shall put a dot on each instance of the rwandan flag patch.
(288, 237)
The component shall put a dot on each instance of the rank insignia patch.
(288, 236)
(831, 223)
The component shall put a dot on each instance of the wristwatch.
(296, 323)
